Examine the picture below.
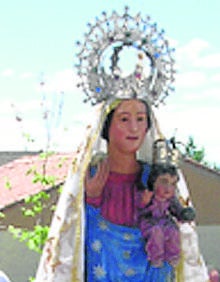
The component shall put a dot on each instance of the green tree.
(35, 206)
(198, 154)
(192, 151)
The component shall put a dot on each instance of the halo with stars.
(125, 56)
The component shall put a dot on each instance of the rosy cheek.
(116, 132)
(160, 188)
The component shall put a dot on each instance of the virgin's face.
(128, 126)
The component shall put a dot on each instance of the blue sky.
(38, 40)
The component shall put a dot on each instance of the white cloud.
(209, 61)
(62, 81)
(197, 54)
(211, 95)
(61, 139)
(191, 51)
(216, 78)
(6, 107)
(12, 137)
(25, 107)
(190, 79)
(69, 140)
(26, 75)
(7, 73)
(10, 72)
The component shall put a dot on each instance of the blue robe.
(115, 253)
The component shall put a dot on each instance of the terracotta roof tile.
(16, 184)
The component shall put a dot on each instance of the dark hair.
(160, 169)
(108, 120)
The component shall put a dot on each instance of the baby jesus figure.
(158, 220)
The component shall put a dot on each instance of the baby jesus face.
(165, 186)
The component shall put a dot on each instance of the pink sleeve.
(96, 202)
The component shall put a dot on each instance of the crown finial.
(166, 152)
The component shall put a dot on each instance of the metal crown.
(125, 56)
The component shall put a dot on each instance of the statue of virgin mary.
(83, 244)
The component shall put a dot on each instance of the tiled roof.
(9, 156)
(16, 184)
(201, 166)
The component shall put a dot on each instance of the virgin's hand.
(94, 185)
